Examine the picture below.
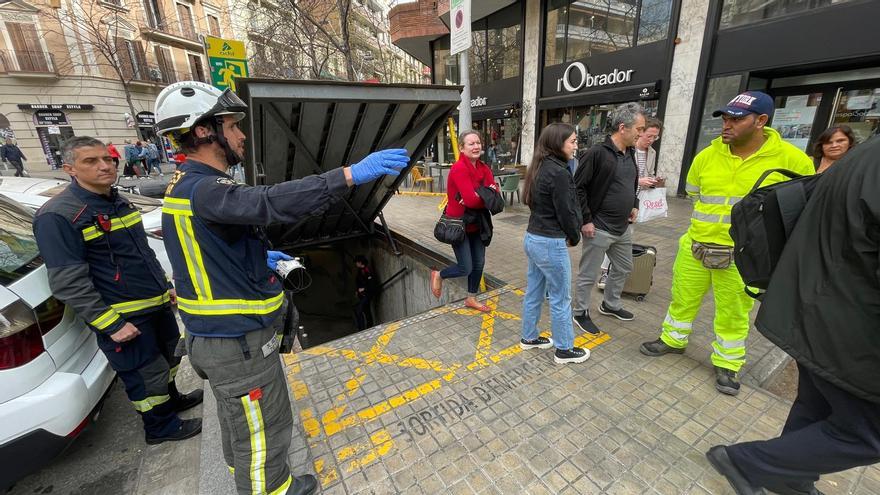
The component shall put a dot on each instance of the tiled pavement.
(446, 402)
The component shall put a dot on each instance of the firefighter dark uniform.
(230, 303)
(99, 263)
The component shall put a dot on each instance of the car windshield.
(19, 254)
(142, 203)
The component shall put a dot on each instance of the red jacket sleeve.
(466, 186)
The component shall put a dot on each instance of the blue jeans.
(549, 271)
(470, 256)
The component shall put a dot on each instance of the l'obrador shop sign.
(577, 76)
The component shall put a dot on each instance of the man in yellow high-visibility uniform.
(720, 176)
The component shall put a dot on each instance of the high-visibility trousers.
(690, 282)
(253, 407)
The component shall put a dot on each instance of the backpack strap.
(784, 171)
(791, 200)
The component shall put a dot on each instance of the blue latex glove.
(375, 165)
(274, 257)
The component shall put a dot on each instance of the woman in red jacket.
(466, 176)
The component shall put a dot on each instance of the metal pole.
(464, 109)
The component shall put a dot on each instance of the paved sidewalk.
(447, 402)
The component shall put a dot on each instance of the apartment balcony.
(413, 25)
(29, 64)
(156, 76)
(174, 33)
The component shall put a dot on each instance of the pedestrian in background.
(467, 175)
(133, 158)
(152, 156)
(11, 153)
(607, 181)
(554, 225)
(646, 161)
(114, 154)
(831, 145)
(821, 308)
(100, 265)
(365, 291)
(720, 175)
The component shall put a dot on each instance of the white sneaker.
(602, 279)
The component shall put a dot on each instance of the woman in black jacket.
(554, 224)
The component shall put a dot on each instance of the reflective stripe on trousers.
(690, 283)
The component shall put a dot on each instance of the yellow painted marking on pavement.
(500, 314)
(484, 344)
(325, 478)
(309, 422)
(381, 445)
(416, 193)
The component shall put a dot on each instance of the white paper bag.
(652, 204)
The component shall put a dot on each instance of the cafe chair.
(510, 185)
(419, 180)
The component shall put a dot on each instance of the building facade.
(95, 67)
(534, 62)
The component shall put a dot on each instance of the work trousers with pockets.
(253, 407)
(828, 430)
(618, 248)
(147, 366)
(690, 282)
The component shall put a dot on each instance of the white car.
(53, 377)
(34, 192)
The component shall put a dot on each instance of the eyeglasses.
(652, 138)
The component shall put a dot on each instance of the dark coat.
(12, 153)
(823, 303)
(595, 173)
(482, 217)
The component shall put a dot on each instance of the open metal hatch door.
(300, 128)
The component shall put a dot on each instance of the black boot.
(188, 428)
(190, 400)
(726, 382)
(719, 460)
(303, 485)
(657, 348)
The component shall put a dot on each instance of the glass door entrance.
(859, 109)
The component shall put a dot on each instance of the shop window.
(599, 26)
(557, 23)
(445, 66)
(718, 93)
(591, 122)
(654, 18)
(741, 12)
(576, 30)
(479, 54)
(859, 109)
(505, 45)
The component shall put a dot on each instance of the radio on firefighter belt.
(295, 279)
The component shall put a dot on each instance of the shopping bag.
(652, 204)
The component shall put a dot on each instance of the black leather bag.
(449, 230)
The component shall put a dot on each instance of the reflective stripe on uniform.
(150, 402)
(181, 211)
(730, 357)
(713, 200)
(106, 319)
(116, 223)
(691, 189)
(684, 325)
(139, 304)
(710, 217)
(254, 417)
(231, 306)
(283, 488)
(735, 199)
(676, 335)
(172, 373)
(177, 206)
(730, 344)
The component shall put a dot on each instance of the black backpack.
(762, 222)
